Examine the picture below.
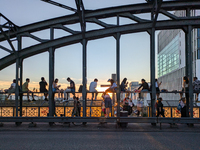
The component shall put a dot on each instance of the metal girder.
(6, 49)
(8, 39)
(101, 23)
(60, 26)
(59, 5)
(103, 13)
(164, 12)
(26, 34)
(96, 34)
(132, 17)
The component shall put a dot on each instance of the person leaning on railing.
(25, 89)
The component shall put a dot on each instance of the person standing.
(26, 89)
(160, 110)
(43, 85)
(93, 86)
(75, 110)
(11, 89)
(183, 107)
(71, 88)
(108, 103)
(196, 87)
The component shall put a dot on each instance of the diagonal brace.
(101, 23)
(132, 17)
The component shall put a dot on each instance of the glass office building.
(168, 58)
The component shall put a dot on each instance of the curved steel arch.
(96, 34)
(102, 13)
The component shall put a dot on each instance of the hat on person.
(108, 80)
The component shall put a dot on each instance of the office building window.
(198, 54)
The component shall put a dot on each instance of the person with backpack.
(160, 110)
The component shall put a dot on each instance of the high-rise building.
(171, 57)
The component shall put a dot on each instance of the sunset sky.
(101, 53)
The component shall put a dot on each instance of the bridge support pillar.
(84, 91)
(189, 67)
(51, 76)
(118, 69)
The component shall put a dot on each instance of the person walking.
(93, 86)
(196, 87)
(183, 107)
(159, 106)
(75, 109)
(43, 85)
(26, 89)
(69, 89)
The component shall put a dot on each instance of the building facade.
(171, 57)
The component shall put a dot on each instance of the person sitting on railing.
(25, 89)
(160, 110)
(124, 85)
(144, 86)
(93, 86)
(43, 85)
(71, 88)
(108, 103)
(11, 89)
(56, 87)
(113, 86)
(196, 87)
(157, 85)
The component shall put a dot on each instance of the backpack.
(179, 107)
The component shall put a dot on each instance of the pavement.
(44, 140)
(96, 127)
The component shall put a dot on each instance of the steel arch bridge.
(10, 32)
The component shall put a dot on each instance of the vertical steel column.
(19, 46)
(21, 82)
(118, 68)
(51, 76)
(84, 43)
(152, 70)
(17, 84)
(189, 66)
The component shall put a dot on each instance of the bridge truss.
(10, 32)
